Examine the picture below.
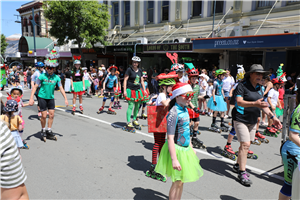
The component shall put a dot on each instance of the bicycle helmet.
(177, 67)
(39, 64)
(77, 62)
(136, 58)
(220, 72)
(16, 88)
(193, 72)
(167, 79)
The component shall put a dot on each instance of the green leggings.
(135, 111)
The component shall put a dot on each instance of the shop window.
(264, 4)
(219, 7)
(165, 10)
(150, 11)
(127, 13)
(25, 24)
(116, 13)
(197, 9)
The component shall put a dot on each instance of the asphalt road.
(94, 159)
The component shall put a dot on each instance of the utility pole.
(213, 26)
(33, 24)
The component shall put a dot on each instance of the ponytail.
(9, 119)
(172, 103)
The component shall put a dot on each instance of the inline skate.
(197, 143)
(25, 145)
(136, 125)
(228, 152)
(256, 141)
(143, 116)
(261, 137)
(119, 105)
(111, 111)
(100, 110)
(43, 135)
(129, 128)
(152, 174)
(224, 127)
(249, 155)
(81, 109)
(50, 135)
(192, 130)
(270, 132)
(215, 128)
(278, 131)
(115, 105)
(73, 110)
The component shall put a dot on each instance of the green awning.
(27, 43)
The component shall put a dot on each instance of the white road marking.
(259, 171)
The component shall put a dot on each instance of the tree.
(3, 44)
(85, 21)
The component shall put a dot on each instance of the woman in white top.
(202, 93)
(228, 83)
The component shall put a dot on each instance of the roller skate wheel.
(55, 138)
(219, 131)
(148, 174)
(254, 156)
(203, 146)
(44, 139)
(233, 157)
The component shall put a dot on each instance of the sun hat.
(16, 88)
(180, 88)
(256, 68)
(103, 68)
(11, 106)
(84, 68)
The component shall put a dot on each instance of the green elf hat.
(51, 60)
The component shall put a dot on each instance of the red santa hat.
(180, 88)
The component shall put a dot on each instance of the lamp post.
(33, 24)
(213, 26)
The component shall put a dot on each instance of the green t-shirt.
(48, 84)
(196, 91)
(295, 120)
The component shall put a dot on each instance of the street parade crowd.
(180, 96)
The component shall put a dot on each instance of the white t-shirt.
(86, 76)
(184, 79)
(274, 96)
(209, 90)
(203, 91)
(160, 98)
(100, 73)
(228, 82)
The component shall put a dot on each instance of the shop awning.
(27, 43)
(271, 41)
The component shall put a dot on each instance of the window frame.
(150, 9)
(212, 8)
(264, 7)
(128, 13)
(192, 11)
(114, 15)
(292, 3)
(162, 7)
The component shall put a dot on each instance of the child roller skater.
(77, 84)
(133, 93)
(118, 93)
(166, 82)
(177, 159)
(217, 103)
(143, 105)
(193, 106)
(108, 88)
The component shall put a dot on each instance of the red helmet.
(276, 81)
(193, 72)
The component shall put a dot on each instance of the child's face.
(193, 80)
(169, 88)
(15, 94)
(181, 100)
(210, 83)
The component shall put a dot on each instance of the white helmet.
(77, 62)
(136, 58)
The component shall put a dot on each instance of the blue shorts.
(96, 87)
(226, 93)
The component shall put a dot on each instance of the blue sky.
(8, 10)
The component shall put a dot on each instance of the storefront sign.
(168, 47)
(276, 40)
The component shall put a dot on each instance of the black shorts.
(109, 92)
(197, 119)
(46, 104)
(36, 95)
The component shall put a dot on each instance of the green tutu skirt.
(278, 112)
(87, 84)
(78, 88)
(191, 170)
(137, 95)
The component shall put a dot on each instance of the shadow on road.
(147, 145)
(138, 163)
(227, 197)
(33, 117)
(38, 135)
(141, 193)
(118, 124)
(215, 151)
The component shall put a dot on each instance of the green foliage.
(3, 44)
(80, 20)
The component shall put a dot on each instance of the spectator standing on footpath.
(228, 83)
(67, 85)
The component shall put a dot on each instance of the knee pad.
(286, 189)
(112, 98)
(104, 99)
(232, 132)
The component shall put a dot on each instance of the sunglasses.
(188, 95)
(50, 68)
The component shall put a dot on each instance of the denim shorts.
(226, 93)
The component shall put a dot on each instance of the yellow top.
(14, 121)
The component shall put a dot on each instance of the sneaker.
(244, 179)
(236, 168)
(211, 114)
(226, 116)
